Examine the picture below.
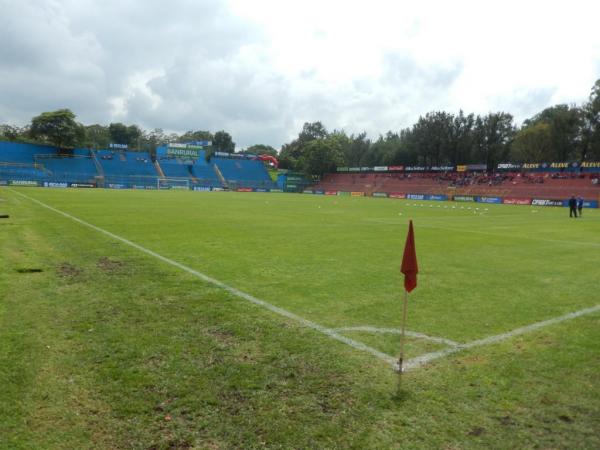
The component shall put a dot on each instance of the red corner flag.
(409, 267)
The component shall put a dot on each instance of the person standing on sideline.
(573, 206)
(580, 206)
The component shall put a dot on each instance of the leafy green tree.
(591, 125)
(123, 134)
(222, 142)
(493, 136)
(321, 156)
(565, 130)
(260, 149)
(9, 132)
(291, 153)
(198, 135)
(97, 136)
(383, 151)
(356, 148)
(533, 143)
(57, 127)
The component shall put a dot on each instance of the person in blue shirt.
(573, 206)
(579, 205)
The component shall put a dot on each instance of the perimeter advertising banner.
(319, 192)
(464, 198)
(590, 165)
(184, 150)
(509, 166)
(379, 194)
(586, 203)
(51, 184)
(22, 183)
(437, 197)
(343, 193)
(82, 185)
(415, 196)
(547, 202)
(489, 199)
(202, 188)
(331, 192)
(516, 201)
(246, 190)
(357, 194)
(397, 195)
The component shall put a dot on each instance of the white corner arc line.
(277, 310)
(428, 357)
(414, 334)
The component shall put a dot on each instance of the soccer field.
(120, 320)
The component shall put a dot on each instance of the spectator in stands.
(580, 206)
(573, 206)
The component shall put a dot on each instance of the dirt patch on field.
(67, 270)
(110, 265)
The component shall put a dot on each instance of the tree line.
(561, 133)
(60, 128)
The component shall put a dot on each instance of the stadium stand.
(126, 168)
(557, 185)
(244, 173)
(78, 166)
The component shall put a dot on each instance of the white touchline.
(282, 312)
(414, 334)
(428, 357)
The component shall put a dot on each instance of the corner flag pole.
(410, 269)
(401, 359)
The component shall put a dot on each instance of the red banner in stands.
(516, 201)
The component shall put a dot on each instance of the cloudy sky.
(261, 68)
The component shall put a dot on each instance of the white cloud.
(260, 68)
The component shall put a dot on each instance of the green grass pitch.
(104, 346)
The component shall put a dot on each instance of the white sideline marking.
(428, 357)
(528, 238)
(398, 331)
(277, 310)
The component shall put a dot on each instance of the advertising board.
(415, 196)
(547, 202)
(22, 183)
(489, 199)
(516, 201)
(437, 197)
(463, 198)
(52, 184)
